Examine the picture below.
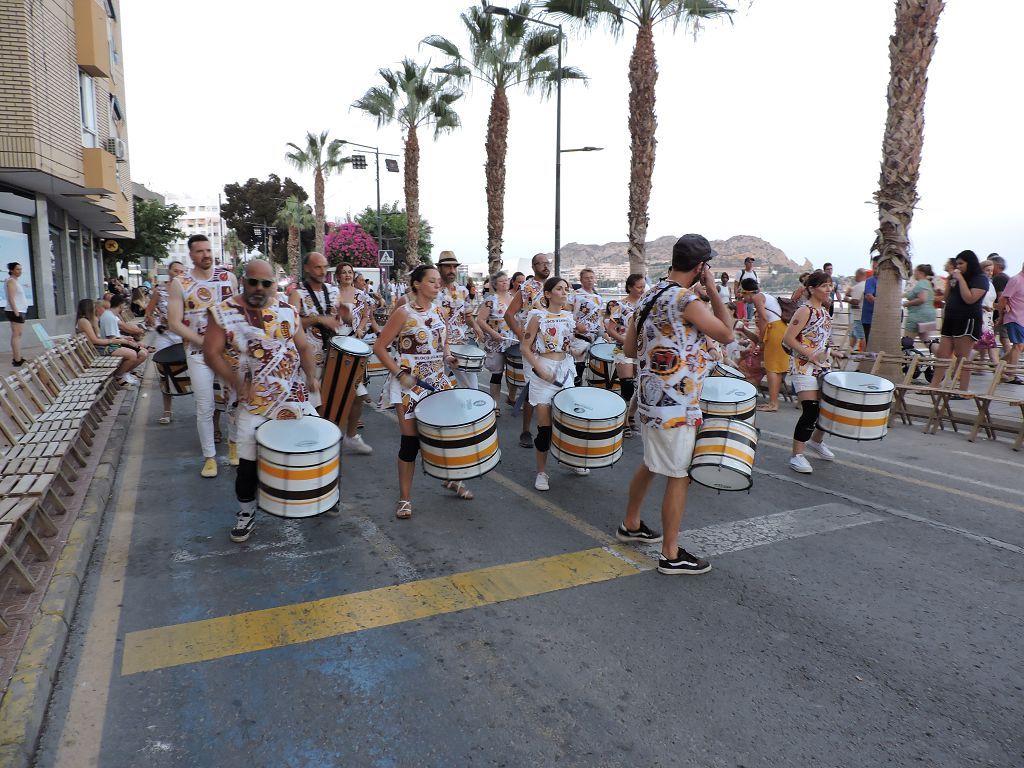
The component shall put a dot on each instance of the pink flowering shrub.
(349, 242)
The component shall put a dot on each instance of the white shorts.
(495, 362)
(802, 382)
(541, 391)
(668, 451)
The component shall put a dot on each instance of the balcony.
(100, 168)
(91, 38)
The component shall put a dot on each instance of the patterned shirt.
(199, 297)
(452, 303)
(420, 349)
(815, 334)
(554, 332)
(308, 308)
(532, 291)
(673, 360)
(587, 310)
(496, 320)
(620, 312)
(160, 315)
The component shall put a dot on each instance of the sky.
(768, 126)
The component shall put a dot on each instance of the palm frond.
(587, 14)
(442, 44)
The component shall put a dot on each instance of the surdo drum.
(586, 427)
(467, 357)
(723, 455)
(173, 370)
(855, 405)
(343, 372)
(458, 434)
(601, 366)
(721, 369)
(728, 398)
(299, 463)
(514, 374)
(374, 367)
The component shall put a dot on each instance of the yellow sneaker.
(209, 468)
(232, 454)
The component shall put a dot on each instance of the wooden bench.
(984, 402)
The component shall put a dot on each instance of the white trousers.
(246, 433)
(202, 377)
(466, 379)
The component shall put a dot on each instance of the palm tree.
(322, 158)
(910, 52)
(296, 216)
(643, 76)
(412, 97)
(234, 245)
(503, 54)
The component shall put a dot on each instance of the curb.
(24, 704)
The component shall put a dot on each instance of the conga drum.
(467, 357)
(601, 366)
(723, 455)
(173, 371)
(298, 465)
(586, 427)
(728, 398)
(855, 405)
(458, 434)
(343, 372)
(514, 374)
(721, 369)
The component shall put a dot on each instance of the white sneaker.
(356, 445)
(541, 483)
(129, 380)
(799, 464)
(822, 450)
(581, 471)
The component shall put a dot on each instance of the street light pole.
(376, 154)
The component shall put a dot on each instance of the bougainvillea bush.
(349, 242)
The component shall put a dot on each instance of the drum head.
(589, 403)
(602, 350)
(172, 354)
(721, 369)
(351, 345)
(310, 434)
(858, 382)
(466, 350)
(453, 407)
(723, 389)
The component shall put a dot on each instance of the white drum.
(721, 369)
(458, 434)
(728, 398)
(601, 366)
(374, 367)
(467, 357)
(299, 463)
(855, 405)
(586, 427)
(723, 455)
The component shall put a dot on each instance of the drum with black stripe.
(586, 427)
(728, 398)
(855, 405)
(601, 366)
(721, 369)
(173, 370)
(467, 357)
(458, 434)
(344, 371)
(514, 374)
(723, 455)
(299, 464)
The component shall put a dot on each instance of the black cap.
(691, 250)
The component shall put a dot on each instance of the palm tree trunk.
(494, 172)
(643, 76)
(910, 52)
(318, 203)
(293, 251)
(412, 197)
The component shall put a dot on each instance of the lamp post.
(393, 168)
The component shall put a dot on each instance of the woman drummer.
(616, 321)
(421, 341)
(156, 318)
(807, 339)
(355, 307)
(549, 334)
(496, 335)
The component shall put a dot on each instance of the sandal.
(165, 419)
(459, 487)
(497, 412)
(404, 510)
(766, 408)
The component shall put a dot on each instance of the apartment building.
(65, 184)
(201, 217)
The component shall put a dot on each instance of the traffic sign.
(386, 258)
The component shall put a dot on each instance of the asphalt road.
(868, 614)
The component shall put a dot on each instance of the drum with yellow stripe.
(723, 455)
(855, 405)
(514, 374)
(374, 367)
(458, 434)
(586, 427)
(299, 465)
(721, 369)
(728, 398)
(601, 366)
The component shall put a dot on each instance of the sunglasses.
(252, 282)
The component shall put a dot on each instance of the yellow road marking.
(209, 639)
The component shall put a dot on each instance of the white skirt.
(542, 391)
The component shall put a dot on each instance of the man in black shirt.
(999, 281)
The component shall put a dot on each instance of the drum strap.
(327, 299)
(650, 305)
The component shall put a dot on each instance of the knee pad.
(408, 447)
(496, 378)
(627, 387)
(542, 442)
(246, 480)
(807, 422)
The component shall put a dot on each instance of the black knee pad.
(496, 378)
(542, 442)
(246, 479)
(578, 379)
(627, 388)
(408, 448)
(807, 422)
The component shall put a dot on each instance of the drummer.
(496, 335)
(267, 386)
(669, 336)
(549, 334)
(526, 298)
(156, 318)
(617, 315)
(586, 308)
(807, 339)
(453, 303)
(355, 308)
(421, 338)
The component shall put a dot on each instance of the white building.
(201, 217)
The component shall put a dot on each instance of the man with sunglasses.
(268, 384)
(189, 299)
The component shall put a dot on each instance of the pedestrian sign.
(386, 258)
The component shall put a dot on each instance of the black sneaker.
(642, 534)
(526, 440)
(244, 523)
(684, 563)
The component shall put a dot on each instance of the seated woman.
(87, 323)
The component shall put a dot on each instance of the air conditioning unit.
(117, 148)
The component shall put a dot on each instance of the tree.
(911, 47)
(322, 158)
(412, 98)
(643, 76)
(257, 202)
(393, 229)
(295, 216)
(350, 242)
(156, 227)
(234, 245)
(503, 54)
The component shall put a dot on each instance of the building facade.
(201, 217)
(65, 183)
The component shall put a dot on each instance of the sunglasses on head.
(252, 282)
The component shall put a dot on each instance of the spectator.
(961, 323)
(86, 323)
(986, 345)
(139, 301)
(747, 273)
(113, 324)
(17, 306)
(1011, 309)
(723, 288)
(855, 299)
(867, 313)
(800, 293)
(834, 297)
(999, 281)
(518, 278)
(919, 300)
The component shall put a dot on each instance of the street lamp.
(358, 161)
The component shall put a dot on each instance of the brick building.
(65, 185)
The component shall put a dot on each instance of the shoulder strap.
(642, 318)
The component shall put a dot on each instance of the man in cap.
(452, 304)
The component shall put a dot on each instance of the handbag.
(927, 327)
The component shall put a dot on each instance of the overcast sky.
(769, 126)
